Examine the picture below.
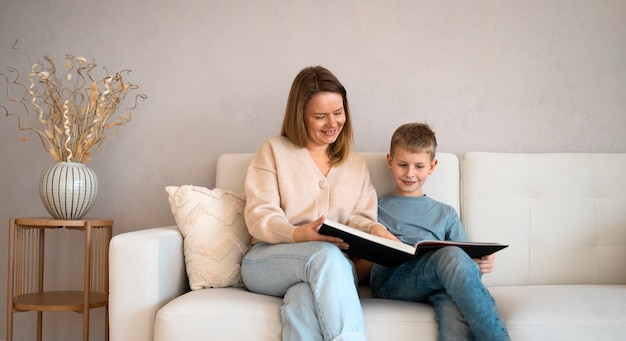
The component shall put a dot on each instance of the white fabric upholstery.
(563, 312)
(562, 215)
(230, 313)
(146, 270)
(562, 278)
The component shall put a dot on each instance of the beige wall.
(512, 76)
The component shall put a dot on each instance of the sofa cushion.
(215, 237)
(563, 312)
(562, 215)
(236, 314)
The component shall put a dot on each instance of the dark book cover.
(393, 253)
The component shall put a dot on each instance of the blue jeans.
(450, 281)
(317, 283)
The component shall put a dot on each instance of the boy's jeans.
(450, 281)
(317, 284)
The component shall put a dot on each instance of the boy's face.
(410, 170)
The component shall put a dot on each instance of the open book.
(391, 253)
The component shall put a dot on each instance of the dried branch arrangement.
(73, 113)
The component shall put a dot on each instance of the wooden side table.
(25, 289)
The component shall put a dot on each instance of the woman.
(293, 183)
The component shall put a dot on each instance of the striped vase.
(68, 190)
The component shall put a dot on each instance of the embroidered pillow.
(215, 236)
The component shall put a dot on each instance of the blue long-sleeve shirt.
(412, 219)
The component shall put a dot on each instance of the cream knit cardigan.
(284, 188)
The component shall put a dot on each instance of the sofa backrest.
(443, 185)
(563, 215)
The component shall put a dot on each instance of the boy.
(447, 278)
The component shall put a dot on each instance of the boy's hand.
(485, 263)
(381, 231)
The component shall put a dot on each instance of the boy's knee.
(452, 255)
(453, 262)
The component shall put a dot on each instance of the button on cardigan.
(284, 188)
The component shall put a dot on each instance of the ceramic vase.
(68, 190)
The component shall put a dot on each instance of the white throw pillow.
(215, 236)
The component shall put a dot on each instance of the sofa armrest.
(146, 270)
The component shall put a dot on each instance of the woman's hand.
(486, 263)
(308, 232)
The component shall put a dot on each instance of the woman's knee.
(329, 255)
(328, 250)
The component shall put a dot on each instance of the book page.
(380, 240)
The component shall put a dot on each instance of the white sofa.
(562, 278)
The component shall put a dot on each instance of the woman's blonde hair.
(308, 82)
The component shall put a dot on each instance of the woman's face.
(324, 117)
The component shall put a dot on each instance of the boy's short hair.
(416, 137)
